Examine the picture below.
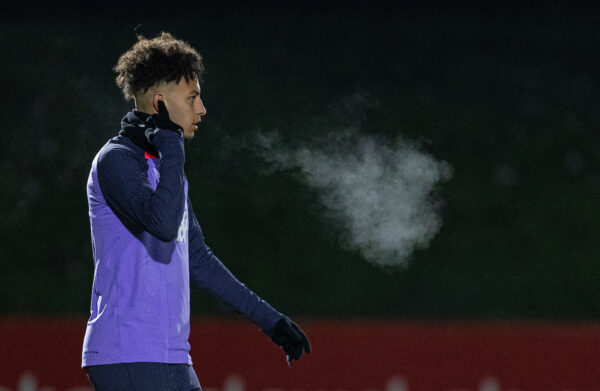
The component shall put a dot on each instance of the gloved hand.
(287, 334)
(161, 121)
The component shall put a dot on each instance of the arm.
(124, 184)
(208, 272)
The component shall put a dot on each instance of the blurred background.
(506, 96)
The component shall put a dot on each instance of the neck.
(145, 109)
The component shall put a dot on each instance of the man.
(146, 241)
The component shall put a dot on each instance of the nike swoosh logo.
(101, 312)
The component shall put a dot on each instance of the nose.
(201, 109)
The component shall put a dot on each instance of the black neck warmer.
(133, 126)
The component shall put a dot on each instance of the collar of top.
(133, 126)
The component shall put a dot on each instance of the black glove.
(287, 334)
(161, 121)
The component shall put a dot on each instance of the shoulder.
(120, 150)
(119, 153)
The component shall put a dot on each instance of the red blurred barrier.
(43, 354)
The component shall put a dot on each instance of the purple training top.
(147, 244)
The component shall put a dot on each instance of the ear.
(155, 99)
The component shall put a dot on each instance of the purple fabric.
(147, 243)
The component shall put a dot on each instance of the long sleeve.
(208, 272)
(123, 180)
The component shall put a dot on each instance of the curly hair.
(151, 61)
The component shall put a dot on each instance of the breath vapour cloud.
(381, 190)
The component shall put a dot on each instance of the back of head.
(153, 61)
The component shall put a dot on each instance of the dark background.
(506, 95)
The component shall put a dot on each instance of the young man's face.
(184, 105)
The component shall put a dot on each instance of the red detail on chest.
(148, 156)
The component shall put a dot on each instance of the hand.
(161, 121)
(287, 334)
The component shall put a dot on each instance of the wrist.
(168, 142)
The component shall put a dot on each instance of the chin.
(188, 136)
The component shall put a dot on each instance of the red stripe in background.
(351, 355)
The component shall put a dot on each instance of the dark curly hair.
(160, 59)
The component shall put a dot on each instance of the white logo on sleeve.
(182, 234)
